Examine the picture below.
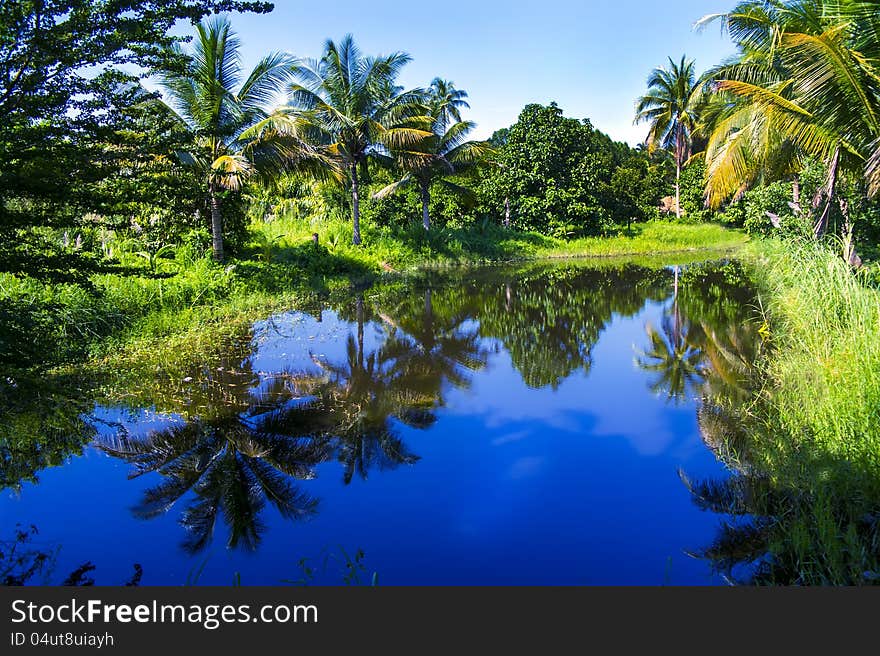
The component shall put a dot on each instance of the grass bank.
(806, 449)
(823, 375)
(394, 248)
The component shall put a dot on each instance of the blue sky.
(591, 57)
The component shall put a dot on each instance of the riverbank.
(186, 302)
(804, 449)
(295, 274)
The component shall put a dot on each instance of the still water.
(532, 425)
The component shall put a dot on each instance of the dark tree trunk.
(426, 200)
(216, 226)
(828, 191)
(355, 206)
(359, 311)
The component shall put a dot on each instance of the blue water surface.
(576, 481)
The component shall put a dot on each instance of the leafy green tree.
(61, 89)
(553, 174)
(671, 107)
(351, 104)
(229, 116)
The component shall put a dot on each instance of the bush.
(693, 201)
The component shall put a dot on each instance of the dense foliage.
(561, 176)
(66, 110)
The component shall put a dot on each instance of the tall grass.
(824, 375)
(808, 444)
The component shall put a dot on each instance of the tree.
(553, 174)
(60, 88)
(805, 84)
(445, 101)
(444, 153)
(351, 104)
(671, 109)
(229, 116)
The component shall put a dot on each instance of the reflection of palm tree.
(753, 504)
(673, 357)
(356, 402)
(436, 347)
(730, 352)
(233, 464)
(353, 403)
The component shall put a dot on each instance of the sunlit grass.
(824, 377)
(183, 296)
(384, 248)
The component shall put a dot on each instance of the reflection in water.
(248, 436)
(234, 466)
(42, 423)
(787, 520)
(676, 362)
(243, 433)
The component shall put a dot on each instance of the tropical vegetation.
(136, 222)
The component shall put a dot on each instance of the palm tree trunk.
(679, 160)
(426, 199)
(355, 206)
(216, 225)
(507, 212)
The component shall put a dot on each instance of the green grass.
(384, 248)
(824, 373)
(282, 269)
(191, 300)
(812, 431)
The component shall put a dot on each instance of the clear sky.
(592, 57)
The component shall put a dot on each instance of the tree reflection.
(789, 515)
(708, 338)
(677, 364)
(234, 464)
(549, 318)
(240, 444)
(353, 403)
(43, 422)
(439, 343)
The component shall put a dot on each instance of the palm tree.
(444, 153)
(671, 108)
(351, 104)
(806, 82)
(234, 462)
(227, 113)
(445, 101)
(679, 366)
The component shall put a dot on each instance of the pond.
(538, 424)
